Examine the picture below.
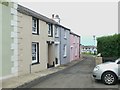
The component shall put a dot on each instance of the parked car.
(108, 72)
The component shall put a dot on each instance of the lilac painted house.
(74, 46)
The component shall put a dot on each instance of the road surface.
(77, 76)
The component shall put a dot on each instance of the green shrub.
(109, 46)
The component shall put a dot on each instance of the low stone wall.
(109, 59)
(98, 60)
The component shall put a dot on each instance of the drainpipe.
(60, 44)
(30, 68)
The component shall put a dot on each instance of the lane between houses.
(77, 76)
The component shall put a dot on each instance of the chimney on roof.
(53, 16)
(56, 18)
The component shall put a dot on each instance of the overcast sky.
(84, 18)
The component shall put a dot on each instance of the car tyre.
(109, 78)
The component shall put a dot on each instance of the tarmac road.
(77, 76)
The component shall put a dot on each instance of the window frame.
(65, 50)
(36, 32)
(65, 34)
(50, 28)
(73, 39)
(76, 51)
(37, 53)
(77, 40)
(56, 31)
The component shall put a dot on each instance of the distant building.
(89, 49)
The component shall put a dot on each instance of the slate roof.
(74, 34)
(29, 12)
(32, 13)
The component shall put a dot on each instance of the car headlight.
(96, 68)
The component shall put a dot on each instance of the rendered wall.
(65, 60)
(9, 39)
(0, 44)
(6, 40)
(25, 45)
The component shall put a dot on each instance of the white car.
(108, 72)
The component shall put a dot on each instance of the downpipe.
(30, 68)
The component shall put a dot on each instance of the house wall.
(50, 47)
(58, 42)
(9, 40)
(118, 18)
(25, 45)
(74, 47)
(0, 40)
(66, 41)
(78, 48)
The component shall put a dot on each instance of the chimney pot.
(53, 16)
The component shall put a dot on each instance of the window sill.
(65, 38)
(75, 55)
(35, 63)
(65, 56)
(50, 35)
(57, 36)
(35, 33)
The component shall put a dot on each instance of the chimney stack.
(56, 18)
(53, 16)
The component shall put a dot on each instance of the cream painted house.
(35, 41)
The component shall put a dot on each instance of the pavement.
(23, 80)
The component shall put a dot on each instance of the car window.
(118, 62)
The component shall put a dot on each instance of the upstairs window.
(65, 34)
(56, 31)
(74, 39)
(35, 26)
(50, 30)
(78, 40)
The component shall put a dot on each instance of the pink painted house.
(74, 46)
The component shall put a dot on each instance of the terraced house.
(62, 44)
(36, 41)
(74, 46)
(8, 40)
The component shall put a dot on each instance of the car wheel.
(109, 78)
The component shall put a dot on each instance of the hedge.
(109, 46)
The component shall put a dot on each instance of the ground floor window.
(35, 52)
(65, 50)
(76, 52)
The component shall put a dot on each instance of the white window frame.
(56, 32)
(65, 50)
(35, 61)
(50, 29)
(76, 51)
(78, 40)
(65, 34)
(34, 27)
(74, 39)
